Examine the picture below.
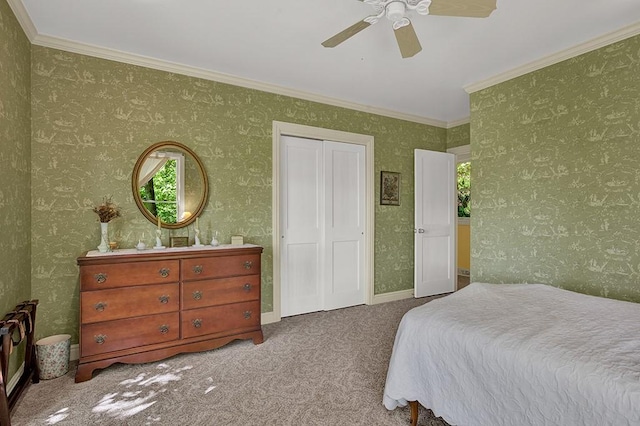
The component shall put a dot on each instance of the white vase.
(104, 237)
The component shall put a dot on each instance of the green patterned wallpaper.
(458, 136)
(15, 150)
(555, 169)
(93, 117)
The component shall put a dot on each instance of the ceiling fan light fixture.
(401, 23)
(422, 7)
(396, 11)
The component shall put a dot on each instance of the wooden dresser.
(145, 306)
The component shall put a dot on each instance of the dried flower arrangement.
(107, 211)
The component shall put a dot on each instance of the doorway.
(344, 148)
(463, 165)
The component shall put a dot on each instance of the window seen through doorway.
(464, 189)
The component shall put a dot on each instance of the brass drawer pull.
(197, 323)
(164, 329)
(100, 338)
(163, 299)
(197, 269)
(247, 287)
(100, 277)
(197, 295)
(247, 314)
(164, 272)
(100, 306)
(248, 264)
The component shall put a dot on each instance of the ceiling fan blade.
(470, 8)
(407, 41)
(345, 34)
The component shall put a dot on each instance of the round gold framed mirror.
(169, 184)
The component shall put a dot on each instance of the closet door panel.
(302, 226)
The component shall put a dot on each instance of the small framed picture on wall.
(389, 188)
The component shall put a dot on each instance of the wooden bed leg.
(413, 406)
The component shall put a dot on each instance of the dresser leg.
(258, 338)
(84, 373)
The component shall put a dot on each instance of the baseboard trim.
(268, 318)
(393, 296)
(74, 352)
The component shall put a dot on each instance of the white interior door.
(344, 166)
(435, 223)
(323, 224)
(302, 226)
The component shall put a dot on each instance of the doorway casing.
(290, 129)
(463, 155)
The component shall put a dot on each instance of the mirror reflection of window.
(161, 183)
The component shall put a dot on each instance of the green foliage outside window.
(464, 189)
(162, 188)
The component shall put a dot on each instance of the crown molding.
(23, 19)
(173, 67)
(134, 59)
(459, 122)
(596, 43)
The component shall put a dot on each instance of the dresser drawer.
(199, 294)
(216, 319)
(117, 303)
(220, 267)
(97, 277)
(120, 334)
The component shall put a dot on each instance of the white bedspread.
(519, 354)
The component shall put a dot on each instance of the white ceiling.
(278, 42)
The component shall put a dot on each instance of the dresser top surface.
(167, 253)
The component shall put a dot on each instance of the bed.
(519, 354)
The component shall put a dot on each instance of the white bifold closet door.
(323, 217)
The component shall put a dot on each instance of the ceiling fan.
(398, 11)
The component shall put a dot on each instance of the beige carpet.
(325, 368)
